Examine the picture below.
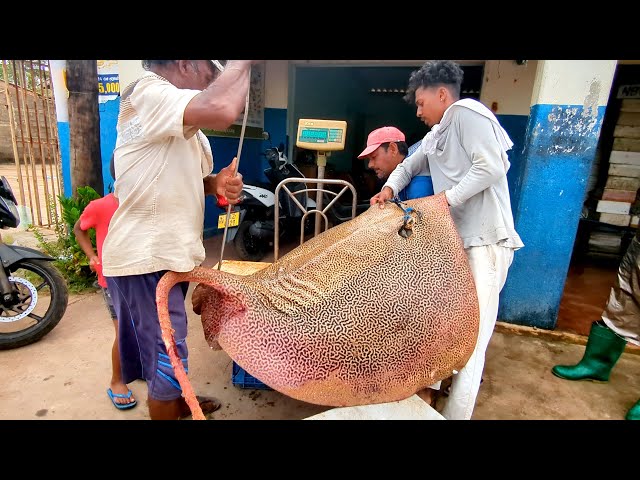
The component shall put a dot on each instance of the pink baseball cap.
(379, 136)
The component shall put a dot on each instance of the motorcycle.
(33, 294)
(251, 226)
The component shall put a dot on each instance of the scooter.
(33, 294)
(253, 236)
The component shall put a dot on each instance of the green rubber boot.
(634, 412)
(603, 350)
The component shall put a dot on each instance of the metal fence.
(29, 121)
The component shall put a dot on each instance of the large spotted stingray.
(370, 311)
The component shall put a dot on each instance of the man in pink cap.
(386, 149)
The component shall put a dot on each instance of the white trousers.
(489, 265)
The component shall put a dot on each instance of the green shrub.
(69, 257)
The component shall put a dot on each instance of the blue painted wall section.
(516, 127)
(65, 157)
(108, 121)
(275, 122)
(559, 149)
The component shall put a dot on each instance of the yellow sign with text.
(234, 219)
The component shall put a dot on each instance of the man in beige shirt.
(163, 165)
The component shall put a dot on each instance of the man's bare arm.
(222, 102)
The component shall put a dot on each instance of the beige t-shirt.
(159, 166)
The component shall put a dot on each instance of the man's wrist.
(448, 194)
(210, 184)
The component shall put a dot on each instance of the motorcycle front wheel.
(249, 247)
(38, 301)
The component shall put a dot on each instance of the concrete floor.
(66, 374)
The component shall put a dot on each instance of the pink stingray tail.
(162, 301)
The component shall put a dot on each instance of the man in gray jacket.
(465, 154)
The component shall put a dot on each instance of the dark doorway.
(366, 98)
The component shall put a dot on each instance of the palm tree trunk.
(84, 125)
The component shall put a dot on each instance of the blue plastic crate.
(240, 378)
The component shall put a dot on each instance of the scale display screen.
(316, 135)
(321, 135)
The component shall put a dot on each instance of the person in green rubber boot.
(620, 324)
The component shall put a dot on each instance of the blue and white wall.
(567, 108)
(507, 89)
(61, 94)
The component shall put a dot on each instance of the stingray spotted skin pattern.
(357, 315)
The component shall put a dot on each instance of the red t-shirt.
(98, 215)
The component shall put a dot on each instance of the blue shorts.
(109, 303)
(142, 351)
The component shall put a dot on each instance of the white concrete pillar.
(567, 108)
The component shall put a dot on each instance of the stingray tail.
(165, 285)
(207, 276)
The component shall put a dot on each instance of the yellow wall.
(129, 70)
(509, 85)
(276, 83)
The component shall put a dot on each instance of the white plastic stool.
(413, 408)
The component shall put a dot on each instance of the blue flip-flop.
(121, 406)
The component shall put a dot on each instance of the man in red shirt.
(97, 214)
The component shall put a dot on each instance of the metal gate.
(319, 211)
(29, 121)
